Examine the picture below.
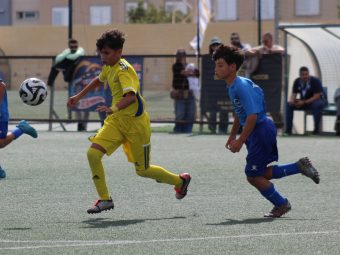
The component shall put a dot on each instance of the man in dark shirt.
(310, 90)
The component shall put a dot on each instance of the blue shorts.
(262, 148)
(3, 129)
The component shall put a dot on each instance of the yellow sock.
(94, 157)
(161, 175)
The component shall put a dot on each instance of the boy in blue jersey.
(258, 132)
(21, 128)
(127, 124)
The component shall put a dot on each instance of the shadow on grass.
(106, 222)
(230, 222)
(17, 229)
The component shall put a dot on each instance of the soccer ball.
(33, 91)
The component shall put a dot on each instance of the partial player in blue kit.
(22, 128)
(258, 132)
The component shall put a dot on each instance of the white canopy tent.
(318, 48)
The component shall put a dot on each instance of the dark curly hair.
(231, 55)
(113, 39)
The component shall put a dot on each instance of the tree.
(152, 15)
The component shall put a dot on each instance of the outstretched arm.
(72, 101)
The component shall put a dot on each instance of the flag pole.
(198, 56)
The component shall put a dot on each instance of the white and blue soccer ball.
(33, 91)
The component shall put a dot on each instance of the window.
(171, 6)
(307, 7)
(60, 16)
(267, 9)
(100, 15)
(225, 10)
(27, 15)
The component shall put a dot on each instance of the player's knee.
(2, 144)
(141, 170)
(94, 155)
(251, 180)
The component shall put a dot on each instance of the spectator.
(248, 65)
(66, 62)
(193, 80)
(267, 47)
(310, 90)
(184, 99)
(337, 103)
(209, 71)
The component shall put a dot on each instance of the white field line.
(79, 243)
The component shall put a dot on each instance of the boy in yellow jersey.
(127, 123)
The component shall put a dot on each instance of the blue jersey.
(247, 99)
(4, 116)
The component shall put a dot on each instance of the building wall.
(140, 40)
(5, 13)
(246, 10)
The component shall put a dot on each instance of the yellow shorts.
(133, 132)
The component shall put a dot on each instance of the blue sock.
(17, 132)
(280, 171)
(273, 196)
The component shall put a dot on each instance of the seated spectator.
(310, 90)
(337, 104)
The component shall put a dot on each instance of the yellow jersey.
(122, 79)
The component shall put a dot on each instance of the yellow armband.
(114, 108)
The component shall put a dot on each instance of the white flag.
(204, 10)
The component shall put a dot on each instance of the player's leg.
(302, 166)
(2, 173)
(138, 150)
(262, 149)
(269, 192)
(5, 137)
(289, 118)
(158, 173)
(26, 128)
(102, 143)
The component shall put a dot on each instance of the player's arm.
(72, 101)
(236, 145)
(128, 99)
(292, 98)
(233, 132)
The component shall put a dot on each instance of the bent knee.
(94, 154)
(251, 180)
(2, 144)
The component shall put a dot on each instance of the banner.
(86, 70)
(214, 95)
(268, 76)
